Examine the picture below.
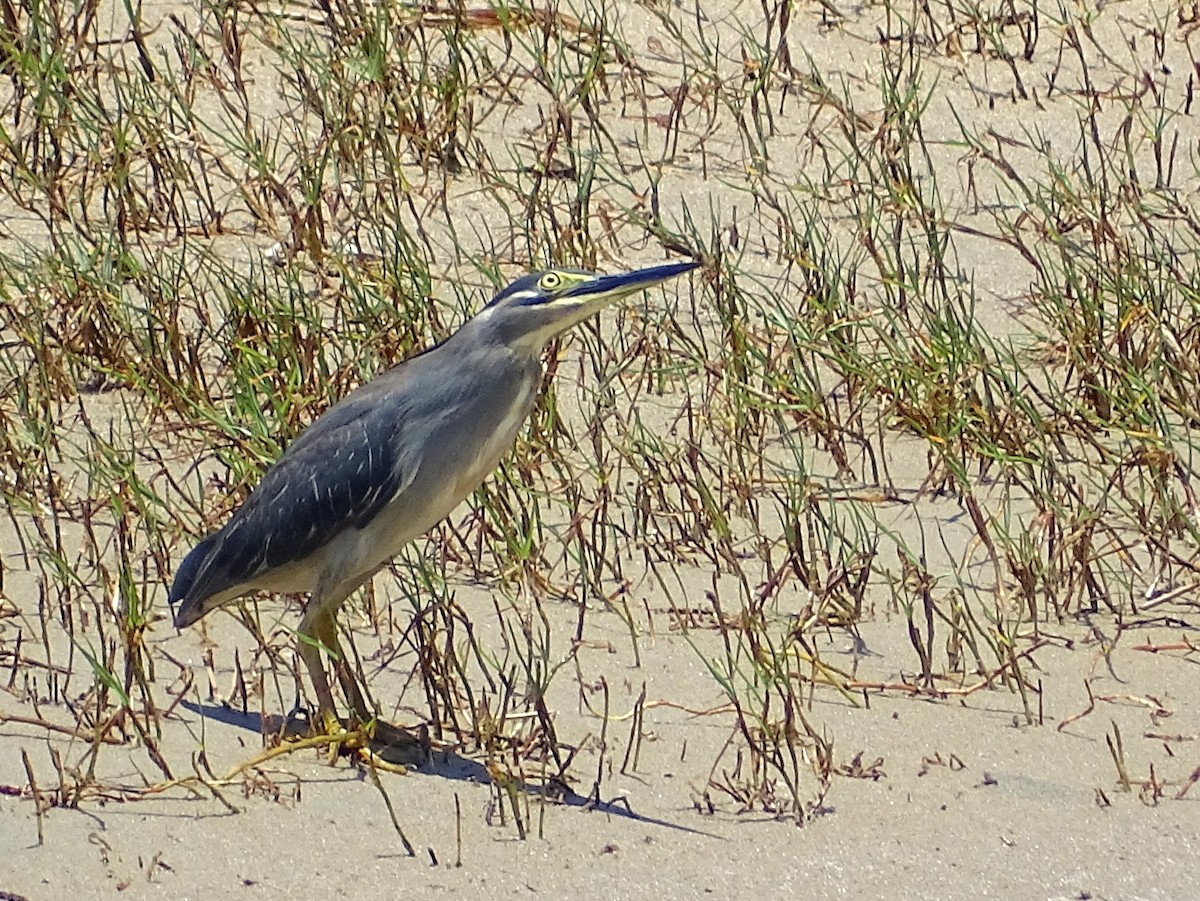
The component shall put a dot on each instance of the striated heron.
(387, 462)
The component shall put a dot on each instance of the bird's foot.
(373, 742)
(344, 738)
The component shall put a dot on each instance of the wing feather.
(337, 475)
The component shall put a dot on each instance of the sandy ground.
(952, 799)
(937, 799)
(961, 796)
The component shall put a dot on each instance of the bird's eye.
(551, 281)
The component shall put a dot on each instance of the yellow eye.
(551, 281)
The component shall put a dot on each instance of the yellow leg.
(309, 648)
(319, 631)
(386, 747)
(327, 636)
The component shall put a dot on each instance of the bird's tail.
(190, 605)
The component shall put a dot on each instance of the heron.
(389, 461)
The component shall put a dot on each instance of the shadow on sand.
(442, 763)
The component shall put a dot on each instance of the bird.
(387, 462)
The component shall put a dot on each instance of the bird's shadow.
(442, 763)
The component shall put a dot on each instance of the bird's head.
(537, 307)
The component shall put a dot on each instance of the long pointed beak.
(604, 287)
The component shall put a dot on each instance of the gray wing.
(337, 475)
